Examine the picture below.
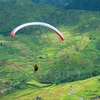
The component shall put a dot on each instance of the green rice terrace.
(68, 70)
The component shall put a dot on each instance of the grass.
(77, 54)
(84, 88)
(23, 51)
(90, 88)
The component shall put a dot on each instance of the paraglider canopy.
(37, 23)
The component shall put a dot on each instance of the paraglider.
(37, 23)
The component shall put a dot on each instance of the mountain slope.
(86, 89)
(77, 54)
(65, 4)
(76, 58)
(14, 14)
(73, 4)
(84, 5)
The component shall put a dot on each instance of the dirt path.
(71, 92)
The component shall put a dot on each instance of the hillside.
(72, 4)
(65, 4)
(16, 13)
(77, 58)
(79, 90)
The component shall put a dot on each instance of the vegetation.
(86, 89)
(77, 58)
(72, 4)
